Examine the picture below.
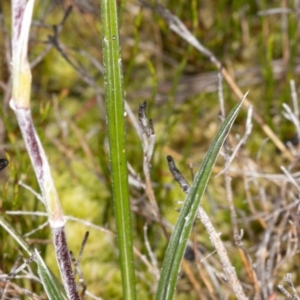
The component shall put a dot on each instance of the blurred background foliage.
(261, 51)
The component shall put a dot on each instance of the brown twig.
(229, 195)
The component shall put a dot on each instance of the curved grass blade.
(53, 288)
(50, 282)
(15, 235)
(180, 235)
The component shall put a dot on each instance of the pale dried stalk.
(20, 104)
(228, 269)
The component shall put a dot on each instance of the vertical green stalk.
(116, 131)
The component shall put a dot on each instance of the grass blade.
(180, 235)
(116, 131)
(51, 285)
(15, 235)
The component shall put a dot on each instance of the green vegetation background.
(179, 85)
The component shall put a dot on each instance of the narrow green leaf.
(114, 96)
(51, 285)
(50, 282)
(15, 235)
(180, 235)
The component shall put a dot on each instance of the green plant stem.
(116, 131)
